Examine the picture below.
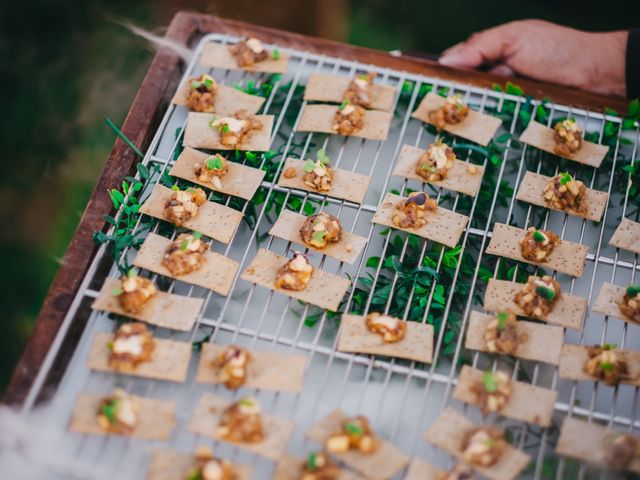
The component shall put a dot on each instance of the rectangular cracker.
(569, 311)
(447, 433)
(170, 359)
(324, 290)
(573, 358)
(217, 55)
(459, 179)
(266, 370)
(477, 127)
(527, 402)
(226, 101)
(198, 134)
(586, 441)
(320, 118)
(288, 227)
(173, 465)
(216, 273)
(567, 257)
(608, 301)
(213, 219)
(346, 185)
(540, 343)
(331, 89)
(166, 310)
(354, 337)
(531, 190)
(239, 181)
(384, 463)
(421, 470)
(443, 226)
(156, 418)
(289, 467)
(206, 417)
(627, 236)
(542, 137)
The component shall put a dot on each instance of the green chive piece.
(276, 55)
(247, 402)
(609, 346)
(190, 190)
(214, 163)
(353, 428)
(197, 235)
(318, 236)
(132, 273)
(539, 237)
(196, 84)
(633, 290)
(109, 411)
(184, 245)
(194, 474)
(208, 82)
(489, 381)
(343, 105)
(502, 320)
(309, 165)
(607, 366)
(224, 128)
(117, 291)
(311, 463)
(545, 292)
(364, 76)
(175, 187)
(565, 178)
(322, 156)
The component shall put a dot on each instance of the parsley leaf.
(489, 381)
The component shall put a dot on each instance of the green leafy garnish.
(247, 402)
(428, 168)
(110, 345)
(224, 128)
(276, 55)
(311, 462)
(184, 245)
(175, 187)
(364, 76)
(194, 474)
(609, 346)
(196, 84)
(208, 82)
(539, 237)
(607, 366)
(318, 236)
(197, 235)
(109, 411)
(343, 105)
(633, 290)
(322, 156)
(489, 381)
(353, 428)
(214, 163)
(545, 292)
(133, 272)
(117, 291)
(565, 178)
(190, 190)
(502, 320)
(309, 165)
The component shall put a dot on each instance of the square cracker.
(354, 337)
(574, 357)
(217, 55)
(226, 100)
(477, 127)
(569, 311)
(542, 137)
(586, 441)
(324, 290)
(239, 181)
(541, 343)
(384, 463)
(531, 190)
(156, 419)
(567, 257)
(216, 273)
(458, 178)
(527, 402)
(447, 433)
(346, 185)
(331, 88)
(213, 219)
(172, 465)
(627, 236)
(288, 227)
(320, 118)
(266, 370)
(206, 418)
(166, 310)
(608, 301)
(289, 467)
(198, 134)
(169, 361)
(421, 470)
(443, 226)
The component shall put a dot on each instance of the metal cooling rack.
(401, 398)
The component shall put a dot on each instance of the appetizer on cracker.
(568, 137)
(354, 434)
(132, 344)
(212, 170)
(538, 296)
(242, 422)
(201, 95)
(235, 130)
(483, 446)
(349, 118)
(630, 304)
(183, 204)
(118, 413)
(318, 174)
(606, 364)
(251, 51)
(391, 329)
(435, 163)
(320, 230)
(501, 334)
(563, 192)
(620, 450)
(412, 212)
(493, 391)
(134, 292)
(359, 91)
(185, 254)
(318, 466)
(295, 274)
(232, 364)
(452, 112)
(209, 467)
(537, 245)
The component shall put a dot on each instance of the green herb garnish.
(609, 346)
(117, 291)
(196, 84)
(489, 381)
(276, 55)
(175, 187)
(184, 245)
(224, 128)
(311, 462)
(502, 320)
(133, 272)
(214, 163)
(309, 165)
(565, 178)
(607, 366)
(546, 293)
(633, 290)
(322, 156)
(110, 345)
(343, 105)
(539, 237)
(191, 190)
(208, 82)
(197, 236)
(108, 409)
(194, 474)
(247, 402)
(318, 236)
(353, 428)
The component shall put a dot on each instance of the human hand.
(545, 51)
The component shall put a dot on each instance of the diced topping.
(493, 391)
(459, 472)
(501, 335)
(391, 329)
(134, 292)
(630, 304)
(231, 364)
(234, 130)
(185, 254)
(349, 118)
(131, 345)
(620, 449)
(183, 205)
(435, 163)
(290, 173)
(412, 212)
(295, 274)
(249, 52)
(538, 296)
(201, 94)
(537, 245)
(359, 91)
(563, 192)
(242, 422)
(568, 137)
(354, 434)
(318, 174)
(483, 446)
(320, 230)
(209, 467)
(212, 170)
(453, 111)
(607, 364)
(118, 413)
(318, 466)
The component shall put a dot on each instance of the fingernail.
(449, 59)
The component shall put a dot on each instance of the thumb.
(488, 46)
